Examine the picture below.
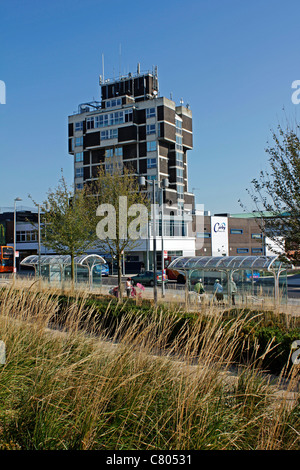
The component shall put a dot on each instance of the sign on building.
(219, 236)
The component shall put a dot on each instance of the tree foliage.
(277, 192)
(67, 221)
(108, 189)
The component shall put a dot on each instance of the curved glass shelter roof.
(228, 263)
(63, 260)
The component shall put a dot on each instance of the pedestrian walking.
(218, 290)
(128, 287)
(232, 290)
(199, 289)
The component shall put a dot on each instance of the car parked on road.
(147, 278)
(103, 268)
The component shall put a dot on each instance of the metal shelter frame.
(231, 264)
(87, 261)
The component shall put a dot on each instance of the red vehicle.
(173, 274)
(6, 259)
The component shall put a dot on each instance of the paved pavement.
(175, 292)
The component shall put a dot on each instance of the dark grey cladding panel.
(140, 116)
(143, 165)
(70, 145)
(71, 129)
(172, 158)
(189, 199)
(92, 139)
(169, 132)
(98, 155)
(142, 132)
(187, 139)
(170, 197)
(95, 171)
(160, 113)
(115, 89)
(164, 113)
(86, 172)
(163, 165)
(163, 149)
(127, 133)
(138, 86)
(169, 114)
(86, 158)
(129, 151)
(172, 174)
(131, 165)
(187, 123)
(142, 149)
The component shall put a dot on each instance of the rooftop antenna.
(103, 67)
(120, 54)
(138, 68)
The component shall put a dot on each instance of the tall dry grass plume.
(71, 381)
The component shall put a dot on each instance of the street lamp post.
(17, 199)
(142, 182)
(154, 246)
(164, 184)
(44, 208)
(39, 237)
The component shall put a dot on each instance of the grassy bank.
(114, 389)
(261, 330)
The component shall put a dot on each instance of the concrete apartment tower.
(136, 127)
(133, 126)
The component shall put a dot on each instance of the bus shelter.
(57, 268)
(254, 276)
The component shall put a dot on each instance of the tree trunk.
(72, 271)
(120, 286)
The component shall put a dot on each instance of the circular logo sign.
(220, 227)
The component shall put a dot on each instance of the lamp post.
(164, 184)
(39, 238)
(45, 208)
(142, 182)
(17, 199)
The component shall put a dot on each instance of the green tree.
(276, 192)
(119, 189)
(67, 221)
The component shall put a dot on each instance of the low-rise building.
(231, 235)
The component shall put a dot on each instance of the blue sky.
(233, 61)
